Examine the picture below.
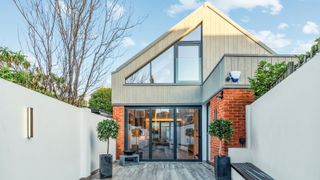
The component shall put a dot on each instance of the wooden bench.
(250, 172)
(123, 158)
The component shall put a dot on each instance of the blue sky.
(287, 26)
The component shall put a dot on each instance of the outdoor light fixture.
(30, 122)
(234, 76)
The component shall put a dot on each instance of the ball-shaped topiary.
(107, 128)
(221, 129)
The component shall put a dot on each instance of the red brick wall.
(230, 107)
(118, 115)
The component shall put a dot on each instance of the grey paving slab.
(161, 171)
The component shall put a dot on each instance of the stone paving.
(161, 171)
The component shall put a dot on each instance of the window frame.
(174, 107)
(175, 54)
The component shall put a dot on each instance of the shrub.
(107, 128)
(101, 100)
(222, 129)
(16, 68)
(265, 76)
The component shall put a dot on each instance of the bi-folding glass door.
(164, 133)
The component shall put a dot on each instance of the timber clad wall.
(230, 107)
(118, 115)
(220, 36)
(246, 64)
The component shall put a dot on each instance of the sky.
(287, 26)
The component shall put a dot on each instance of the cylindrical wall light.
(30, 122)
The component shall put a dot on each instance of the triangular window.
(180, 63)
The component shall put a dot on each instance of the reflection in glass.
(141, 76)
(162, 67)
(138, 131)
(188, 64)
(162, 133)
(187, 133)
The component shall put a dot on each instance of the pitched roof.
(190, 16)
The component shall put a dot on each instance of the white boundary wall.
(65, 145)
(283, 127)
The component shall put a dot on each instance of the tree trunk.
(108, 146)
(220, 148)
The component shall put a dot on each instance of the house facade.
(165, 96)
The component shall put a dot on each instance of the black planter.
(105, 165)
(95, 111)
(222, 167)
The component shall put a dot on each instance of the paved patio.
(162, 171)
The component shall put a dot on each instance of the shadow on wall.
(93, 146)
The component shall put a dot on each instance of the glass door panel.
(162, 134)
(138, 131)
(187, 133)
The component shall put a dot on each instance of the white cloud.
(128, 42)
(183, 5)
(302, 47)
(274, 40)
(283, 26)
(245, 19)
(272, 6)
(117, 10)
(310, 28)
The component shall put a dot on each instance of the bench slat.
(250, 171)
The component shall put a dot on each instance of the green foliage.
(16, 68)
(107, 128)
(265, 76)
(221, 129)
(101, 100)
(300, 58)
(189, 132)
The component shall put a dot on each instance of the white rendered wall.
(64, 144)
(284, 126)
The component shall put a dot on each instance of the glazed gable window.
(180, 63)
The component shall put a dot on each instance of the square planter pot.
(105, 165)
(95, 111)
(222, 167)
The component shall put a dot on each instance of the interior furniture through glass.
(163, 133)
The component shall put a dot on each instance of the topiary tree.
(101, 100)
(265, 76)
(107, 129)
(221, 129)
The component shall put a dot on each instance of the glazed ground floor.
(180, 132)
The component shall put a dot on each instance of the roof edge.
(215, 10)
(237, 26)
(156, 41)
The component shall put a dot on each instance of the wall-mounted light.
(234, 76)
(30, 122)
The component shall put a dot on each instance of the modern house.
(165, 96)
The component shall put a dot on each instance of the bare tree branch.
(75, 39)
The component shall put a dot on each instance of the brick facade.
(230, 104)
(118, 115)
